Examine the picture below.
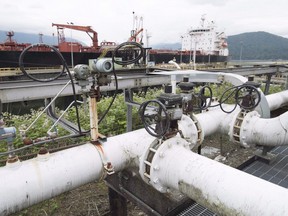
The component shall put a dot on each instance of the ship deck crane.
(134, 35)
(137, 29)
(86, 29)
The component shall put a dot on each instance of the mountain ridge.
(257, 45)
(22, 37)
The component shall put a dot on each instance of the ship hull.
(166, 57)
(10, 59)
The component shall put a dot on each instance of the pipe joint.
(191, 130)
(235, 129)
(265, 132)
(151, 161)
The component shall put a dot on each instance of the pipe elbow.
(266, 132)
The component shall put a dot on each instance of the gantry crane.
(86, 29)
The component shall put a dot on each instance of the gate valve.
(247, 96)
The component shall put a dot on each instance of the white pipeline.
(23, 184)
(254, 130)
(220, 188)
(216, 120)
(265, 132)
(277, 100)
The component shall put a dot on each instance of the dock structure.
(23, 90)
(166, 164)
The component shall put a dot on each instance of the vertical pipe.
(93, 119)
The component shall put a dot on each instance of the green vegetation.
(114, 123)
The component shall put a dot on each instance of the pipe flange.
(191, 130)
(146, 160)
(200, 133)
(236, 127)
(149, 168)
(246, 128)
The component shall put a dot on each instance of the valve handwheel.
(247, 97)
(155, 118)
(203, 103)
(35, 77)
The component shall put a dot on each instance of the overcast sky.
(165, 20)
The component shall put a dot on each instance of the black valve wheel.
(155, 118)
(205, 97)
(130, 52)
(42, 62)
(247, 97)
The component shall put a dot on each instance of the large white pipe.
(216, 120)
(277, 100)
(23, 184)
(220, 188)
(265, 132)
(210, 183)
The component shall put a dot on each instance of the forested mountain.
(257, 45)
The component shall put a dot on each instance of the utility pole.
(71, 46)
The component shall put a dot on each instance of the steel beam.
(29, 90)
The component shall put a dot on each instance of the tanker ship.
(204, 44)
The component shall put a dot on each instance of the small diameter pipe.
(220, 188)
(26, 183)
(265, 132)
(93, 119)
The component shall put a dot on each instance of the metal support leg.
(118, 204)
(52, 105)
(267, 85)
(265, 155)
(129, 118)
(129, 97)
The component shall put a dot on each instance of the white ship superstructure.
(205, 40)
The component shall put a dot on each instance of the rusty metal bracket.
(108, 167)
